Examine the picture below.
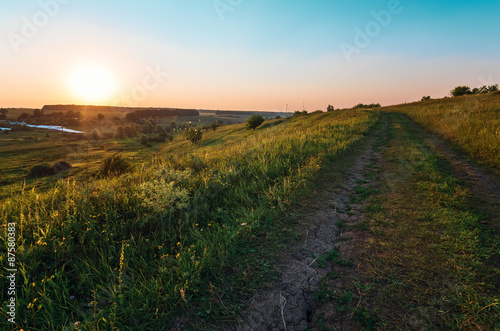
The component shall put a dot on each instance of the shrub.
(460, 90)
(61, 166)
(254, 121)
(159, 129)
(148, 128)
(144, 139)
(96, 134)
(40, 170)
(214, 126)
(372, 105)
(120, 132)
(115, 165)
(193, 135)
(330, 108)
(425, 98)
(130, 131)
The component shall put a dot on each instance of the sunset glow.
(243, 55)
(92, 84)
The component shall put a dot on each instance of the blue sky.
(254, 55)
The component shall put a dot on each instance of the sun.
(92, 83)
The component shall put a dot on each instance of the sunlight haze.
(243, 55)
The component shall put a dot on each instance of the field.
(352, 219)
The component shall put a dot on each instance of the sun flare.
(92, 83)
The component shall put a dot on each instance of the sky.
(271, 55)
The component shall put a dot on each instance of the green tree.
(493, 88)
(214, 126)
(330, 108)
(144, 139)
(159, 129)
(460, 90)
(254, 121)
(120, 132)
(96, 134)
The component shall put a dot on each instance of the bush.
(372, 105)
(193, 135)
(120, 132)
(144, 139)
(159, 129)
(130, 131)
(96, 134)
(40, 170)
(254, 121)
(61, 166)
(330, 108)
(214, 126)
(115, 165)
(460, 90)
(426, 98)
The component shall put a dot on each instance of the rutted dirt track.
(289, 304)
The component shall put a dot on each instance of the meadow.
(471, 123)
(185, 234)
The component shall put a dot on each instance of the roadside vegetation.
(470, 122)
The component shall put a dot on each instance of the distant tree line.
(372, 105)
(466, 90)
(81, 108)
(138, 115)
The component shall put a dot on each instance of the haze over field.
(258, 54)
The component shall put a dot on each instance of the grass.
(429, 262)
(424, 258)
(183, 238)
(472, 123)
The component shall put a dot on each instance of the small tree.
(193, 135)
(460, 90)
(214, 126)
(330, 108)
(100, 117)
(96, 134)
(147, 128)
(120, 132)
(144, 139)
(425, 98)
(254, 121)
(493, 88)
(159, 129)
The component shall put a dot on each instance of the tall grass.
(142, 249)
(470, 122)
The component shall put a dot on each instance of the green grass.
(429, 263)
(184, 237)
(472, 123)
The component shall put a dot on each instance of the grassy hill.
(164, 238)
(187, 233)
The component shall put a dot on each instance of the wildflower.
(72, 297)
